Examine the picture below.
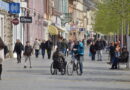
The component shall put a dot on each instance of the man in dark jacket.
(99, 46)
(43, 48)
(93, 50)
(112, 52)
(27, 53)
(18, 49)
(49, 46)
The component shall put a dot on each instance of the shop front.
(5, 25)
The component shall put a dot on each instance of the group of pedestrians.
(28, 49)
(96, 48)
(117, 54)
(43, 46)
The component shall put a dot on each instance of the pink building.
(36, 28)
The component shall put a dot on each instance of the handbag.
(15, 55)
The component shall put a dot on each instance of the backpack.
(29, 50)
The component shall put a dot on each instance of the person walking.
(43, 48)
(36, 46)
(2, 45)
(27, 53)
(65, 46)
(81, 55)
(93, 51)
(18, 48)
(49, 46)
(99, 46)
(112, 52)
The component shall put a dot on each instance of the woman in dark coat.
(18, 49)
(93, 51)
(43, 48)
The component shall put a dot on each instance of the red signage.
(15, 21)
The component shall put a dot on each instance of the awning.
(60, 29)
(52, 30)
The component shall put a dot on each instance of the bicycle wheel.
(78, 69)
(52, 70)
(70, 68)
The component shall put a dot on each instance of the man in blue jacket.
(81, 55)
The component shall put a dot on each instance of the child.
(27, 53)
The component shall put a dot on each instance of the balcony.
(67, 18)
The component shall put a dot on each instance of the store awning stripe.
(52, 30)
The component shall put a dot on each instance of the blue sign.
(4, 6)
(81, 29)
(14, 8)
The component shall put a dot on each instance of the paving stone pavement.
(96, 76)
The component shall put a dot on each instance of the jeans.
(49, 53)
(43, 53)
(81, 58)
(19, 57)
(64, 51)
(115, 61)
(99, 55)
(93, 57)
(26, 59)
(36, 53)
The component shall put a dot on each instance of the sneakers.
(26, 66)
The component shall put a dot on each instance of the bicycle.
(74, 65)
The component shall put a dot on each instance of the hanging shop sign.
(4, 6)
(24, 19)
(14, 8)
(15, 21)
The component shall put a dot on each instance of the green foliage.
(110, 15)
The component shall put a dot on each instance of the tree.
(112, 15)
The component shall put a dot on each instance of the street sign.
(15, 21)
(4, 6)
(14, 8)
(24, 19)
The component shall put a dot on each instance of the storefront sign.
(24, 19)
(4, 6)
(14, 8)
(15, 21)
(81, 29)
